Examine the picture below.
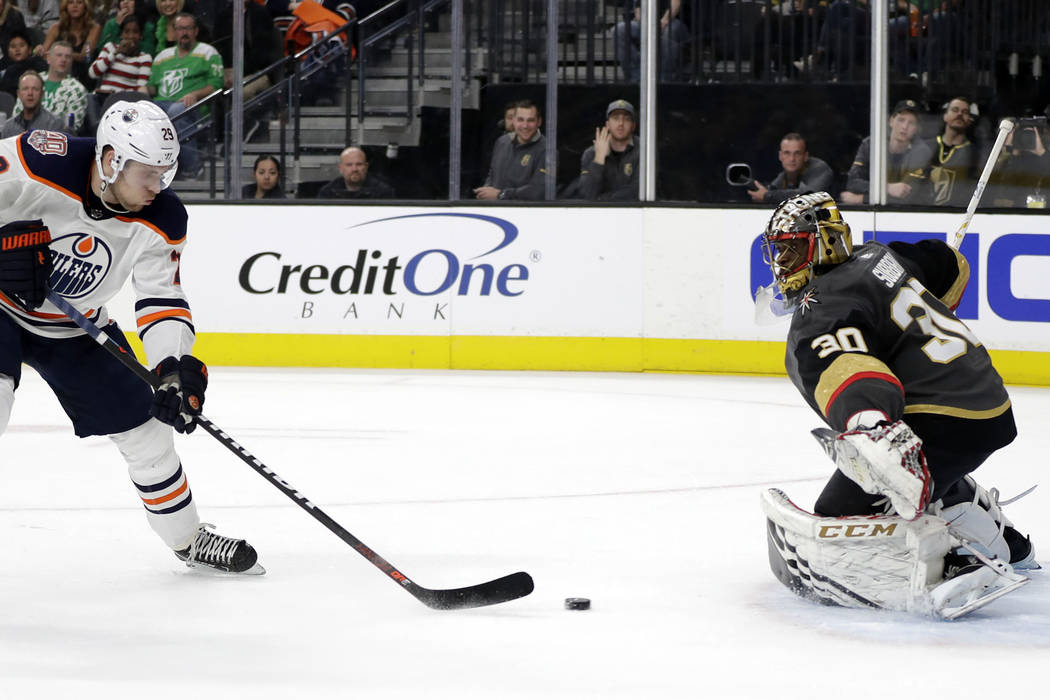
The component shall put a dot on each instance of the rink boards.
(629, 289)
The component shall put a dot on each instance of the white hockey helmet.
(139, 131)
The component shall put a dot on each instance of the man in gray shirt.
(33, 114)
(519, 160)
(907, 163)
(802, 173)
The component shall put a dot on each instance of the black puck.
(577, 603)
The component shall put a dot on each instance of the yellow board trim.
(533, 353)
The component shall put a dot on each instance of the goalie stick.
(1005, 127)
(500, 590)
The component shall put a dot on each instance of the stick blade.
(500, 590)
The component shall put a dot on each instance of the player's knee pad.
(7, 400)
(149, 451)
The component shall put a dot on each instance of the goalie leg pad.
(855, 561)
(882, 562)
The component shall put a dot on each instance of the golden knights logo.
(628, 168)
(48, 142)
(525, 160)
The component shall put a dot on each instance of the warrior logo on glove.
(25, 262)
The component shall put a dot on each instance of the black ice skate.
(224, 554)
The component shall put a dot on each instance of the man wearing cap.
(519, 159)
(609, 168)
(907, 166)
(802, 173)
(955, 161)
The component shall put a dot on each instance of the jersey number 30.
(948, 335)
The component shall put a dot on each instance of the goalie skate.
(213, 552)
(882, 562)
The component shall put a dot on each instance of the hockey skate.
(221, 554)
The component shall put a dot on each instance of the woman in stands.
(76, 24)
(267, 183)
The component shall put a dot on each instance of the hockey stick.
(511, 587)
(1005, 127)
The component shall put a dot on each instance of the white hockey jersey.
(47, 175)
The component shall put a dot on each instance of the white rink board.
(567, 272)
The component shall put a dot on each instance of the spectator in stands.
(11, 21)
(354, 182)
(18, 58)
(909, 158)
(120, 67)
(164, 35)
(64, 95)
(519, 160)
(842, 47)
(674, 35)
(955, 158)
(507, 123)
(1022, 174)
(801, 173)
(267, 185)
(182, 76)
(113, 29)
(609, 168)
(262, 43)
(38, 15)
(33, 115)
(76, 24)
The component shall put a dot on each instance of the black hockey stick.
(511, 587)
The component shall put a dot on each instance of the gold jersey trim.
(839, 372)
(958, 412)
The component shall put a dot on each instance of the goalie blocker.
(881, 561)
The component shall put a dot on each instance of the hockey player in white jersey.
(80, 216)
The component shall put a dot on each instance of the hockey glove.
(887, 460)
(25, 262)
(179, 398)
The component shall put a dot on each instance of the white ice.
(638, 491)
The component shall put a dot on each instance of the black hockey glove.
(25, 262)
(180, 397)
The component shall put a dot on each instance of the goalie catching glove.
(179, 397)
(25, 262)
(886, 460)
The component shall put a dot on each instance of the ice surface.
(640, 492)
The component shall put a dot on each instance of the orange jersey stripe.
(36, 314)
(170, 497)
(171, 313)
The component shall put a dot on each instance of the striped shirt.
(117, 72)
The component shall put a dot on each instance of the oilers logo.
(81, 261)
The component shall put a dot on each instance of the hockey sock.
(7, 400)
(155, 470)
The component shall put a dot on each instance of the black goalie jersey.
(877, 332)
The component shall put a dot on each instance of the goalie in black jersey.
(915, 406)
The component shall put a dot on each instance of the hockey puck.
(577, 603)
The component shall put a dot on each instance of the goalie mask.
(804, 232)
(138, 131)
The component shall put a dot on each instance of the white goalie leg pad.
(857, 561)
(886, 460)
(158, 477)
(7, 400)
(876, 561)
(972, 523)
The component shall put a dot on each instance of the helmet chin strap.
(104, 184)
